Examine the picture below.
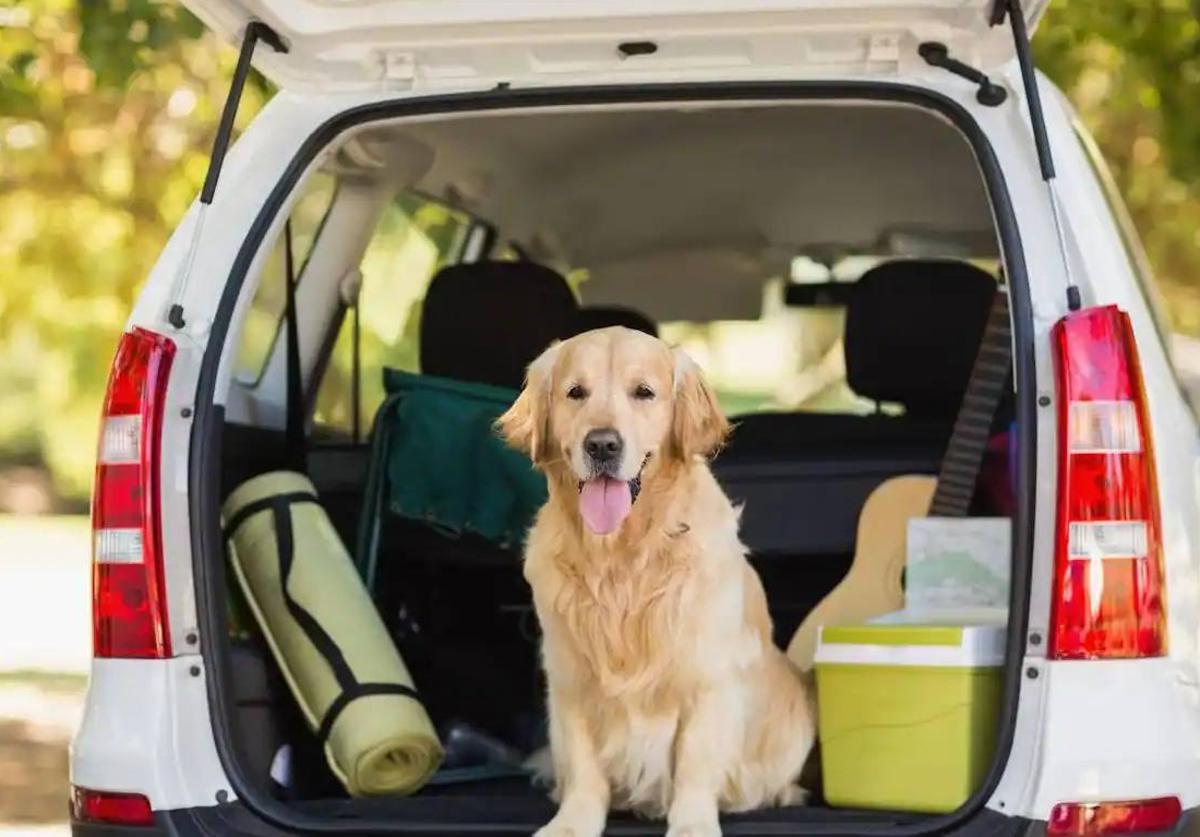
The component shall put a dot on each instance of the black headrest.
(912, 331)
(486, 321)
(603, 316)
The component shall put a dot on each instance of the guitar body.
(873, 586)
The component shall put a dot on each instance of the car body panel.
(146, 729)
(447, 44)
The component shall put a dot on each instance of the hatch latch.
(883, 48)
(397, 69)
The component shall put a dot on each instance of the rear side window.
(416, 236)
(266, 311)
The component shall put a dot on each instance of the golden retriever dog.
(666, 694)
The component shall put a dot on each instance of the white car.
(724, 174)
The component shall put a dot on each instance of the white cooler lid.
(907, 639)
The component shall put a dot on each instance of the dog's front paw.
(693, 815)
(552, 829)
(695, 829)
(793, 795)
(566, 827)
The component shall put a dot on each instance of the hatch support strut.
(256, 31)
(1020, 33)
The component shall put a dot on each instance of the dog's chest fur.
(635, 640)
(626, 618)
(636, 626)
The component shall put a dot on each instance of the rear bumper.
(235, 820)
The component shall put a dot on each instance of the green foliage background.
(108, 107)
(1132, 70)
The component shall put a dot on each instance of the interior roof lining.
(553, 182)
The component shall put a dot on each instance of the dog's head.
(598, 407)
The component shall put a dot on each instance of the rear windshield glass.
(791, 358)
(416, 236)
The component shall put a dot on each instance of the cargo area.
(832, 266)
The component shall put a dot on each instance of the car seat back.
(486, 321)
(912, 331)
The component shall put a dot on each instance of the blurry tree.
(1132, 70)
(107, 110)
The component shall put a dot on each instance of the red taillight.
(129, 608)
(118, 808)
(1082, 819)
(1109, 595)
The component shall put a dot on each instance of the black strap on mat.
(280, 506)
(969, 438)
(353, 693)
(250, 509)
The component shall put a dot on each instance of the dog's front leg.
(582, 786)
(705, 748)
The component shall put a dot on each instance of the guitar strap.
(973, 425)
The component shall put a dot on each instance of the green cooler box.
(907, 713)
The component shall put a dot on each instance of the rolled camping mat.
(324, 631)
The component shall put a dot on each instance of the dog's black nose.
(603, 445)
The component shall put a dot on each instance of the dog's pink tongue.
(604, 502)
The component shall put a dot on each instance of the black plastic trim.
(235, 820)
(205, 452)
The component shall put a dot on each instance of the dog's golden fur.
(666, 693)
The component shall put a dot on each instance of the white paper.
(957, 563)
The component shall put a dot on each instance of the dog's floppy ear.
(698, 426)
(526, 424)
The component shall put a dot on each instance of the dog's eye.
(643, 393)
(577, 392)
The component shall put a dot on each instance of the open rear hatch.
(393, 44)
(388, 46)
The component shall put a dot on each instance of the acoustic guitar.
(874, 585)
